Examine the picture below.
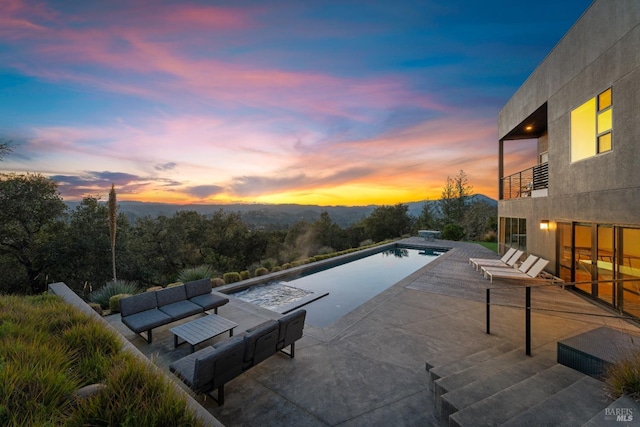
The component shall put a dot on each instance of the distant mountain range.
(272, 215)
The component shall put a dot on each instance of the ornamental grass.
(49, 350)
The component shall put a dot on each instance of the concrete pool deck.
(368, 368)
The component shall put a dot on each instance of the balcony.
(532, 182)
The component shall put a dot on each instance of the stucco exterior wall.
(601, 50)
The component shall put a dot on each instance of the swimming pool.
(338, 290)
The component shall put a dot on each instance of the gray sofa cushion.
(260, 343)
(290, 328)
(145, 320)
(228, 363)
(185, 368)
(197, 287)
(181, 309)
(211, 367)
(210, 300)
(170, 295)
(138, 303)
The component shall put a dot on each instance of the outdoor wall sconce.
(544, 224)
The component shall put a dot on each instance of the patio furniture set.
(532, 268)
(210, 368)
(145, 311)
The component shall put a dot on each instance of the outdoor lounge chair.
(505, 261)
(532, 273)
(522, 268)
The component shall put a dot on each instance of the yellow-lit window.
(604, 143)
(591, 127)
(583, 131)
(604, 100)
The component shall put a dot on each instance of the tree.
(388, 222)
(427, 219)
(480, 221)
(84, 247)
(113, 219)
(31, 216)
(5, 148)
(453, 202)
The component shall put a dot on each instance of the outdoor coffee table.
(201, 329)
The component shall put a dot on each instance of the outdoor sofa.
(212, 367)
(147, 310)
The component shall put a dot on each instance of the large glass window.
(602, 261)
(515, 233)
(591, 127)
(629, 268)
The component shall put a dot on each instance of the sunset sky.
(319, 102)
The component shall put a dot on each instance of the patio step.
(479, 371)
(437, 372)
(617, 413)
(571, 406)
(520, 397)
(491, 383)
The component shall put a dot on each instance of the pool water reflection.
(350, 285)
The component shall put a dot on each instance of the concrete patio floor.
(368, 368)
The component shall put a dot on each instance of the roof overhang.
(533, 126)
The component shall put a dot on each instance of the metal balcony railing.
(522, 183)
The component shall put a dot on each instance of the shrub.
(244, 275)
(325, 250)
(231, 277)
(102, 295)
(114, 302)
(276, 268)
(261, 271)
(217, 282)
(171, 285)
(286, 266)
(452, 232)
(154, 288)
(196, 273)
(268, 263)
(624, 377)
(490, 236)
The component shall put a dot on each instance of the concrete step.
(491, 383)
(571, 406)
(437, 372)
(623, 411)
(508, 403)
(477, 371)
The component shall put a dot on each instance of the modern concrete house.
(578, 204)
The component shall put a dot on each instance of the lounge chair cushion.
(197, 287)
(145, 320)
(181, 309)
(170, 295)
(138, 303)
(260, 342)
(210, 300)
(290, 328)
(185, 368)
(228, 364)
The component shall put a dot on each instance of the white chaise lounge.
(522, 268)
(514, 274)
(508, 259)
